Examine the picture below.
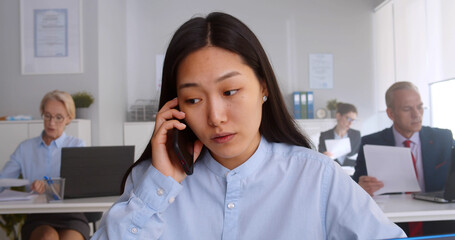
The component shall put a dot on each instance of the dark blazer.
(354, 137)
(436, 147)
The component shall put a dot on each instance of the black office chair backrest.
(449, 193)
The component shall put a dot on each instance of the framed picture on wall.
(51, 36)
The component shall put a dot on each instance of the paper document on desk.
(393, 166)
(11, 195)
(338, 147)
(13, 182)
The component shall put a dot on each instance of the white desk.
(403, 208)
(398, 208)
(39, 205)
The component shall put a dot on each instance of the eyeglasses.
(350, 119)
(57, 118)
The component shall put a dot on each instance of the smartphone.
(182, 140)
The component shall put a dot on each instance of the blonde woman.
(41, 156)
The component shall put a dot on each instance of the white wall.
(121, 39)
(112, 71)
(289, 30)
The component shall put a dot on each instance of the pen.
(51, 185)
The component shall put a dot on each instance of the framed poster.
(321, 70)
(51, 36)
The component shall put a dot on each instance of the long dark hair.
(227, 32)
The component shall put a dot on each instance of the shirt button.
(160, 192)
(134, 230)
(231, 205)
(171, 200)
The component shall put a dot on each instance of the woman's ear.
(264, 90)
(338, 116)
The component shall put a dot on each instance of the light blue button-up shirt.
(281, 192)
(34, 159)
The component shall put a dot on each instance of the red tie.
(407, 143)
(415, 228)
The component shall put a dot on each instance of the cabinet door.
(11, 135)
(137, 134)
(313, 128)
(35, 129)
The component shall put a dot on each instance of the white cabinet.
(14, 132)
(137, 134)
(313, 127)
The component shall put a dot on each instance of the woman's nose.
(216, 112)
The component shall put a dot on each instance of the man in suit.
(430, 147)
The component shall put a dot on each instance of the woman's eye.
(231, 92)
(193, 101)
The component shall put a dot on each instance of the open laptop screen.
(95, 171)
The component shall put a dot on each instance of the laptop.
(446, 196)
(95, 171)
(450, 236)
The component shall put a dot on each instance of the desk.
(403, 208)
(40, 205)
(398, 208)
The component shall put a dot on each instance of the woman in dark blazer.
(346, 113)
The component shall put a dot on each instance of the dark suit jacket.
(436, 147)
(354, 137)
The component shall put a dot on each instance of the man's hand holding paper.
(393, 167)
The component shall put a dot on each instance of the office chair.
(93, 217)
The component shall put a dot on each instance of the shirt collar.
(58, 142)
(399, 139)
(244, 170)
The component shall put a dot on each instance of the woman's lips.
(223, 138)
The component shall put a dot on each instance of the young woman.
(256, 177)
(41, 156)
(346, 114)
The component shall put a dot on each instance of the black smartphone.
(182, 140)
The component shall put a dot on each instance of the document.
(11, 195)
(338, 147)
(13, 182)
(51, 32)
(393, 166)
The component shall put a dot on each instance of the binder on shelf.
(310, 104)
(296, 101)
(303, 105)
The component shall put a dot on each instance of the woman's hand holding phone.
(164, 158)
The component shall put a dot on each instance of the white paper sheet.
(13, 182)
(11, 195)
(338, 147)
(393, 166)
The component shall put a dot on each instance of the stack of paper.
(11, 195)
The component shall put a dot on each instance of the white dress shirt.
(416, 152)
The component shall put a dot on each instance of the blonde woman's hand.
(38, 186)
(163, 157)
